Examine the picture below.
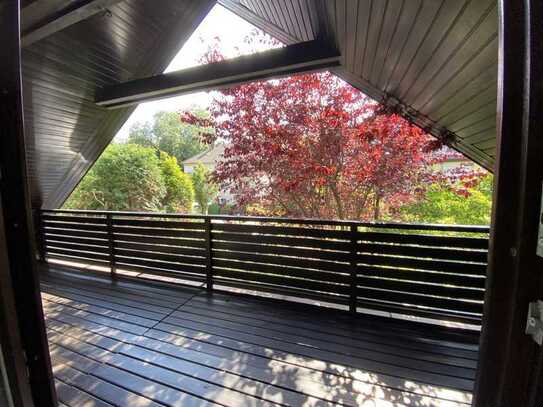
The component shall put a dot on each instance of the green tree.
(167, 133)
(125, 177)
(179, 190)
(132, 177)
(205, 191)
(443, 204)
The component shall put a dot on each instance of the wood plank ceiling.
(436, 61)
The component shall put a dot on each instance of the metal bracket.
(534, 325)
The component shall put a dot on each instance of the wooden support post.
(111, 244)
(508, 372)
(353, 266)
(209, 254)
(18, 228)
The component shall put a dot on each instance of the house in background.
(209, 159)
(447, 159)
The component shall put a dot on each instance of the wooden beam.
(508, 373)
(12, 353)
(16, 217)
(43, 18)
(297, 58)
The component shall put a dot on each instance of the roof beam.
(43, 18)
(307, 56)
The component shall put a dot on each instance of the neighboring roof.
(210, 157)
(436, 61)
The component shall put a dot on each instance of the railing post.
(353, 260)
(111, 244)
(209, 255)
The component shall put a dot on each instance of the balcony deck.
(141, 344)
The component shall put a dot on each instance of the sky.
(220, 22)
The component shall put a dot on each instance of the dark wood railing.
(437, 271)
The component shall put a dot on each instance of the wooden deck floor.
(133, 344)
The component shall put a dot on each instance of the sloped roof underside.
(436, 61)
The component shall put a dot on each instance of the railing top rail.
(327, 222)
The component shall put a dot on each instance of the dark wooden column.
(508, 367)
(15, 206)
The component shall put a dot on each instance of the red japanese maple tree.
(313, 146)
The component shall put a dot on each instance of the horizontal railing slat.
(282, 231)
(255, 247)
(174, 258)
(426, 252)
(420, 300)
(295, 221)
(76, 246)
(419, 288)
(78, 219)
(281, 290)
(118, 237)
(474, 281)
(80, 253)
(76, 240)
(85, 259)
(75, 226)
(283, 271)
(75, 233)
(279, 281)
(283, 241)
(283, 260)
(432, 313)
(161, 265)
(159, 224)
(169, 249)
(179, 274)
(423, 264)
(158, 232)
(425, 240)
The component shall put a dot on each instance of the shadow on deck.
(140, 344)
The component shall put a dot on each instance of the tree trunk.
(377, 207)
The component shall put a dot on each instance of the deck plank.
(185, 347)
(73, 397)
(356, 345)
(337, 327)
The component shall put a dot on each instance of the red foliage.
(313, 146)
